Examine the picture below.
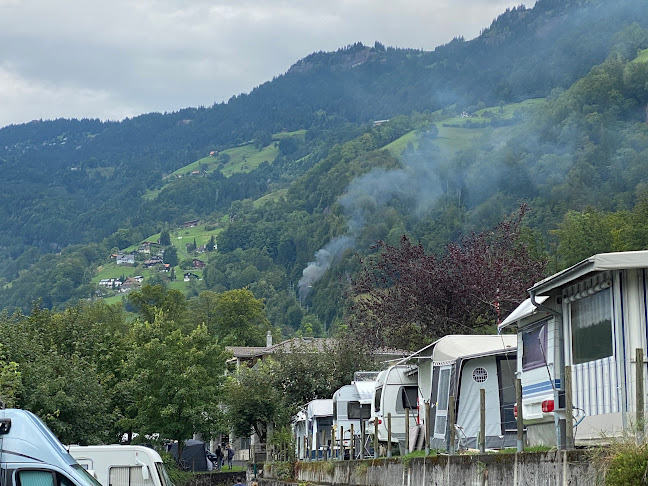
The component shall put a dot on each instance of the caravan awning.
(525, 309)
(365, 390)
(451, 347)
(621, 260)
(320, 408)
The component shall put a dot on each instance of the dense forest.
(358, 146)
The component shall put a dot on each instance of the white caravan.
(593, 317)
(459, 366)
(352, 406)
(122, 465)
(319, 423)
(31, 455)
(395, 393)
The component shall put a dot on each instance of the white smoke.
(323, 260)
(416, 181)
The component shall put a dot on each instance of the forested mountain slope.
(83, 182)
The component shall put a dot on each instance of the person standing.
(230, 455)
(239, 483)
(219, 457)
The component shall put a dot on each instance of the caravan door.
(443, 393)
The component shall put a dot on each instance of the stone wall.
(216, 479)
(554, 468)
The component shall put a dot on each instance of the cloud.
(127, 57)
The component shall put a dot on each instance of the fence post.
(482, 420)
(427, 428)
(520, 418)
(451, 410)
(569, 414)
(640, 395)
(407, 427)
(352, 452)
(333, 443)
(389, 435)
(306, 454)
(375, 437)
(363, 437)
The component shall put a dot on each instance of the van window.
(335, 409)
(408, 398)
(43, 478)
(534, 347)
(591, 322)
(36, 478)
(377, 396)
(357, 411)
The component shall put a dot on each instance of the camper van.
(31, 455)
(460, 366)
(396, 393)
(591, 316)
(122, 465)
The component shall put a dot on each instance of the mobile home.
(31, 455)
(592, 317)
(122, 465)
(395, 393)
(459, 366)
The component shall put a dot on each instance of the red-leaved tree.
(405, 298)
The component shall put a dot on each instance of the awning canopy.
(454, 346)
(603, 261)
(525, 309)
(320, 408)
(365, 390)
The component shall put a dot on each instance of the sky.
(111, 59)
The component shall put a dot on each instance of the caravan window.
(408, 398)
(591, 323)
(128, 476)
(534, 347)
(357, 411)
(377, 396)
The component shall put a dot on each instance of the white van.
(122, 465)
(31, 455)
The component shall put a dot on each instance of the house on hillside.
(152, 262)
(198, 263)
(129, 284)
(110, 283)
(125, 259)
(191, 224)
(190, 276)
(593, 317)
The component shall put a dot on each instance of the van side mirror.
(5, 425)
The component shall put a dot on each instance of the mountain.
(344, 149)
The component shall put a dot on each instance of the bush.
(628, 465)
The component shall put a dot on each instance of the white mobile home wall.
(595, 315)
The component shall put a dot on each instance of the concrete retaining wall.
(552, 468)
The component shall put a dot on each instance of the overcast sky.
(111, 59)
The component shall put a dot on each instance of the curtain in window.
(36, 478)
